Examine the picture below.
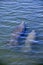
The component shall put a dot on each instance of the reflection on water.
(13, 12)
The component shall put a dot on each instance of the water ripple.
(14, 12)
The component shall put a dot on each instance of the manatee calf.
(30, 38)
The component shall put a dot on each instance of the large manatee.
(16, 33)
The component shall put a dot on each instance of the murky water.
(14, 12)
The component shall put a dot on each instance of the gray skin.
(16, 34)
(30, 38)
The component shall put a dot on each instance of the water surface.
(13, 12)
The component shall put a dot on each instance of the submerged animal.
(16, 33)
(17, 38)
(30, 38)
